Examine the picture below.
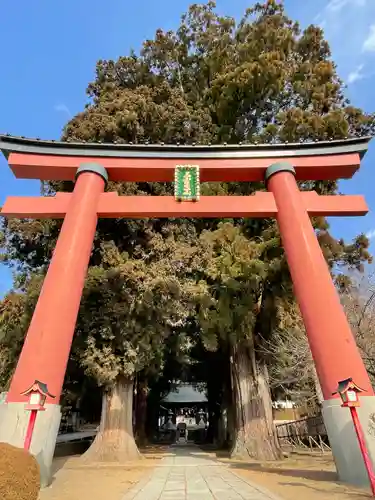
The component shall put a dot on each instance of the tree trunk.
(141, 413)
(254, 429)
(231, 426)
(222, 428)
(318, 389)
(152, 417)
(212, 427)
(115, 441)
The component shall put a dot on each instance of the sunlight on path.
(193, 475)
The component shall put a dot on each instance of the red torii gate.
(47, 345)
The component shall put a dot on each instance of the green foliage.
(131, 306)
(231, 266)
(215, 79)
(15, 314)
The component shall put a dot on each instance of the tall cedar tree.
(213, 80)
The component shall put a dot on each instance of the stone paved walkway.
(191, 474)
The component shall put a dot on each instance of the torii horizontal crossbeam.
(45, 167)
(97, 166)
(111, 205)
(54, 160)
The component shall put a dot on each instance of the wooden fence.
(308, 433)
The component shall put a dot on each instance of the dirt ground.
(303, 475)
(74, 481)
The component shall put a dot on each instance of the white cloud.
(371, 234)
(369, 43)
(345, 24)
(337, 5)
(356, 74)
(63, 108)
(337, 15)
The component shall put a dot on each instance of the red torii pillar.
(48, 341)
(47, 345)
(54, 319)
(330, 337)
(331, 340)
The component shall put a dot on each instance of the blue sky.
(50, 49)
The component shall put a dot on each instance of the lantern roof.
(347, 385)
(38, 386)
(13, 144)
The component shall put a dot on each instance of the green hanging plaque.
(186, 183)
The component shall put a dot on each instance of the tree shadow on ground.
(155, 450)
(314, 475)
(58, 463)
(305, 476)
(211, 448)
(353, 496)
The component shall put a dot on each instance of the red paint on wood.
(53, 323)
(47, 345)
(48, 207)
(111, 205)
(331, 341)
(260, 205)
(337, 205)
(45, 167)
(30, 429)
